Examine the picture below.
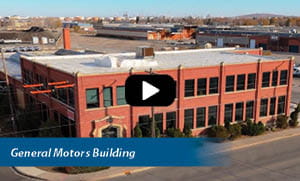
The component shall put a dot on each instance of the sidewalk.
(34, 172)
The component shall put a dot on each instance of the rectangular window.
(239, 111)
(189, 88)
(92, 98)
(249, 109)
(62, 95)
(214, 85)
(159, 121)
(107, 96)
(266, 79)
(272, 105)
(263, 107)
(201, 87)
(212, 115)
(228, 113)
(241, 82)
(281, 105)
(171, 120)
(189, 118)
(283, 77)
(251, 81)
(145, 125)
(275, 78)
(71, 96)
(121, 100)
(201, 117)
(230, 83)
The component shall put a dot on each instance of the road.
(7, 174)
(278, 160)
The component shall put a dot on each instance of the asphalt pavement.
(8, 174)
(278, 160)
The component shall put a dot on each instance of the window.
(283, 77)
(212, 115)
(230, 83)
(201, 116)
(228, 113)
(281, 105)
(266, 79)
(145, 125)
(189, 118)
(241, 82)
(263, 107)
(107, 96)
(251, 81)
(272, 105)
(239, 111)
(92, 98)
(275, 78)
(71, 96)
(189, 88)
(159, 121)
(201, 87)
(121, 100)
(62, 95)
(249, 109)
(171, 120)
(214, 85)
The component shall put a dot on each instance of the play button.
(150, 90)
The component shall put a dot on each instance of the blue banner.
(111, 152)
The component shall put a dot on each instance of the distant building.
(146, 31)
(269, 40)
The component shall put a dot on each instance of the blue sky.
(147, 7)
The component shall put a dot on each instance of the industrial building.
(286, 41)
(214, 86)
(146, 32)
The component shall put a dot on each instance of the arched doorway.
(110, 132)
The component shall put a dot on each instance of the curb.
(23, 174)
(129, 173)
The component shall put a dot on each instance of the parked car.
(297, 71)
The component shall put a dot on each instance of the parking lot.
(296, 81)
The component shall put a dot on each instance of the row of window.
(145, 122)
(93, 100)
(228, 112)
(201, 89)
(231, 81)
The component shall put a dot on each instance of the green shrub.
(235, 131)
(260, 128)
(253, 129)
(294, 117)
(157, 132)
(138, 132)
(281, 122)
(172, 132)
(187, 132)
(218, 132)
(293, 122)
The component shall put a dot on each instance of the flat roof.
(89, 64)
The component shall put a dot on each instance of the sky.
(58, 8)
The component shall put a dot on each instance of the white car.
(297, 71)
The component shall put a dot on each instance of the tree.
(294, 117)
(50, 128)
(281, 122)
(138, 132)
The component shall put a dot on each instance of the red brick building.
(285, 42)
(213, 86)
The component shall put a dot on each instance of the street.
(7, 174)
(278, 160)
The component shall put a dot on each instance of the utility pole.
(12, 113)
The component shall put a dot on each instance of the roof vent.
(144, 52)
